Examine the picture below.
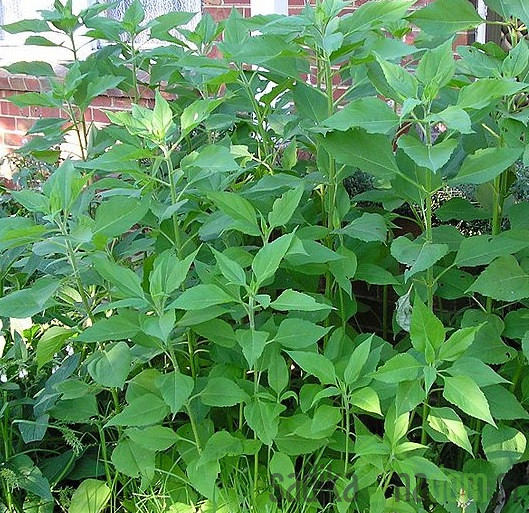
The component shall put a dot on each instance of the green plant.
(245, 336)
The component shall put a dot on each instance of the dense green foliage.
(216, 322)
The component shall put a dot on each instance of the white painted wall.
(481, 32)
(269, 7)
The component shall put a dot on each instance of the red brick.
(7, 123)
(15, 139)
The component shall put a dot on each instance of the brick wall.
(15, 122)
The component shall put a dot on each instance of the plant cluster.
(199, 316)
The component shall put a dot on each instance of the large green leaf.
(315, 364)
(427, 332)
(446, 17)
(437, 66)
(145, 410)
(417, 255)
(503, 446)
(503, 280)
(299, 334)
(252, 343)
(483, 249)
(447, 422)
(132, 459)
(368, 227)
(267, 260)
(402, 367)
(28, 302)
(91, 496)
(486, 164)
(373, 14)
(117, 215)
(372, 153)
(372, 114)
(222, 392)
(263, 419)
(431, 157)
(126, 281)
(51, 342)
(110, 368)
(507, 8)
(293, 300)
(481, 93)
(175, 388)
(463, 392)
(201, 296)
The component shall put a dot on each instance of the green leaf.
(315, 364)
(372, 114)
(293, 300)
(239, 209)
(34, 100)
(110, 368)
(30, 25)
(51, 342)
(230, 269)
(437, 66)
(481, 373)
(483, 92)
(201, 296)
(402, 367)
(80, 409)
(145, 410)
(366, 399)
(28, 302)
(463, 392)
(196, 113)
(447, 422)
(168, 274)
(311, 103)
(91, 496)
(368, 228)
(371, 153)
(118, 214)
(503, 280)
(282, 470)
(299, 333)
(222, 392)
(175, 388)
(486, 164)
(126, 281)
(162, 118)
(503, 446)
(154, 438)
(357, 360)
(122, 326)
(454, 118)
(252, 343)
(284, 207)
(418, 256)
(517, 59)
(458, 343)
(483, 249)
(431, 157)
(446, 17)
(132, 459)
(372, 14)
(400, 80)
(267, 260)
(32, 201)
(427, 332)
(263, 419)
(503, 404)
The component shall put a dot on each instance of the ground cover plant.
(198, 315)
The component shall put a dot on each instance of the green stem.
(72, 258)
(193, 423)
(105, 455)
